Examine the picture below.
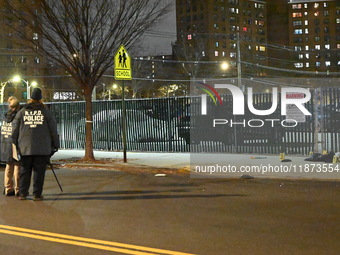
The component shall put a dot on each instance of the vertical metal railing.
(153, 125)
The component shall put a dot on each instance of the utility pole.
(316, 120)
(239, 66)
(239, 84)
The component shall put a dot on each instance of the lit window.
(306, 22)
(298, 65)
(300, 56)
(37, 60)
(35, 36)
(338, 21)
(306, 47)
(223, 54)
(203, 53)
(327, 46)
(306, 14)
(296, 6)
(328, 63)
(189, 37)
(306, 6)
(338, 46)
(318, 64)
(296, 48)
(339, 63)
(297, 14)
(262, 48)
(216, 53)
(297, 23)
(232, 54)
(316, 14)
(216, 44)
(306, 30)
(325, 5)
(298, 31)
(317, 47)
(316, 5)
(307, 55)
(307, 64)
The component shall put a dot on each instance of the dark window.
(298, 40)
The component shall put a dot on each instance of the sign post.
(123, 71)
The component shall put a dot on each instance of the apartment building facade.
(314, 35)
(223, 30)
(20, 67)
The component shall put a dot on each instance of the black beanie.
(36, 94)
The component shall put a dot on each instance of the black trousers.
(37, 164)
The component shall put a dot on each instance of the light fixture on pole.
(114, 86)
(17, 78)
(224, 66)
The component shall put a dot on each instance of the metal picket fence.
(151, 124)
(163, 125)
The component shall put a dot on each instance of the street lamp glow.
(224, 66)
(16, 78)
(114, 86)
(34, 84)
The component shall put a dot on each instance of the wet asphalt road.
(173, 213)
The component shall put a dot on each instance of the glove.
(54, 150)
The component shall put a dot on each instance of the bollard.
(282, 156)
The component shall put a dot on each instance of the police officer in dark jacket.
(11, 176)
(36, 137)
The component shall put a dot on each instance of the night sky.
(158, 40)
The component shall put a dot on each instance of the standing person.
(36, 137)
(12, 166)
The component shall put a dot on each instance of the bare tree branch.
(82, 36)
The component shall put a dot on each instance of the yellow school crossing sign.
(122, 61)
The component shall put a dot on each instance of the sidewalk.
(257, 166)
(160, 160)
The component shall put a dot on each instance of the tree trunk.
(88, 126)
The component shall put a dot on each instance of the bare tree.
(191, 52)
(81, 36)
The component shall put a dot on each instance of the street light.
(114, 86)
(224, 66)
(17, 78)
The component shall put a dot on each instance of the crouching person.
(35, 135)
(11, 177)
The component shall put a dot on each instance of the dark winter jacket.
(6, 136)
(35, 131)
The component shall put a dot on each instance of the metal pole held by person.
(52, 168)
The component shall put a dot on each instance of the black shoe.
(10, 194)
(22, 197)
(38, 198)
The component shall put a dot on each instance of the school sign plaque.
(122, 60)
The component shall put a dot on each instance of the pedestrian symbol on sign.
(122, 61)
